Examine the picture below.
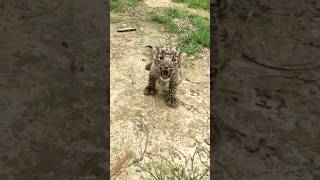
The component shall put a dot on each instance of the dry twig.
(126, 29)
(146, 142)
(116, 169)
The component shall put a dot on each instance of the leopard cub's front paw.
(149, 90)
(172, 102)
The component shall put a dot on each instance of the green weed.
(204, 4)
(169, 169)
(174, 12)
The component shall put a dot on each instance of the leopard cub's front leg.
(151, 88)
(172, 100)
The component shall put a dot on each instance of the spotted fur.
(164, 66)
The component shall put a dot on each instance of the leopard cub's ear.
(148, 51)
(178, 54)
(149, 46)
(157, 50)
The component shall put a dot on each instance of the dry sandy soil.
(268, 91)
(130, 109)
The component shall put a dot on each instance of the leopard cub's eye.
(174, 60)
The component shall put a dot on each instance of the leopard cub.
(164, 66)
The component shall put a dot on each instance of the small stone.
(251, 146)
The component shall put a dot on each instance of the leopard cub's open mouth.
(165, 73)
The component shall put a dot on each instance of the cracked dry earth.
(130, 109)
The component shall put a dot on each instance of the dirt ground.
(130, 108)
(267, 91)
(52, 90)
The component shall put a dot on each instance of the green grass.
(170, 26)
(174, 12)
(120, 5)
(190, 42)
(115, 19)
(202, 36)
(188, 46)
(160, 19)
(204, 4)
(168, 169)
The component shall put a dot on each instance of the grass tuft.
(174, 12)
(203, 4)
(189, 46)
(190, 40)
(202, 36)
(159, 18)
(120, 5)
(170, 26)
(168, 168)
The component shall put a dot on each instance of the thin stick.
(147, 141)
(126, 29)
(115, 170)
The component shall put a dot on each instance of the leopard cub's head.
(169, 60)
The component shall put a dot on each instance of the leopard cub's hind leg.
(151, 88)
